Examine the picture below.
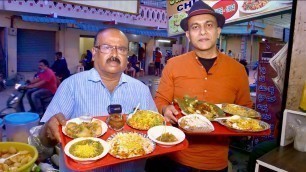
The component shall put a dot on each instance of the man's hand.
(49, 134)
(169, 113)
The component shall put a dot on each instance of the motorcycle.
(15, 101)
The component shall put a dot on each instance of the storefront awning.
(137, 31)
(47, 20)
(94, 28)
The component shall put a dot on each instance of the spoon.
(2, 160)
(136, 108)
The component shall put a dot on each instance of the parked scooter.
(15, 101)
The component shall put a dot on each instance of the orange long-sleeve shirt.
(226, 82)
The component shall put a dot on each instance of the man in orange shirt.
(210, 76)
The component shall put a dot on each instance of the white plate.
(156, 131)
(255, 11)
(105, 145)
(80, 120)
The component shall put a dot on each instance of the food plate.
(244, 124)
(254, 6)
(125, 145)
(93, 148)
(234, 109)
(96, 129)
(174, 22)
(156, 132)
(195, 123)
(190, 105)
(145, 119)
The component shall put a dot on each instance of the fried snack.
(128, 145)
(15, 162)
(145, 119)
(84, 129)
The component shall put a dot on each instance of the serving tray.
(109, 159)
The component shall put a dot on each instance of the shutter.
(32, 46)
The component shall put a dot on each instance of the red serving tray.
(109, 159)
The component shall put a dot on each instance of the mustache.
(115, 59)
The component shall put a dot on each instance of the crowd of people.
(197, 73)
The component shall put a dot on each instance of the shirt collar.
(218, 60)
(220, 57)
(95, 77)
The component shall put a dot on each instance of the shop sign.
(233, 10)
(227, 8)
(268, 97)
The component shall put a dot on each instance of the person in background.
(142, 57)
(92, 91)
(133, 61)
(168, 56)
(199, 73)
(60, 67)
(230, 53)
(222, 51)
(87, 61)
(130, 70)
(42, 86)
(158, 55)
(244, 63)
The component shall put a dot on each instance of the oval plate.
(123, 138)
(264, 125)
(266, 6)
(80, 120)
(234, 109)
(216, 108)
